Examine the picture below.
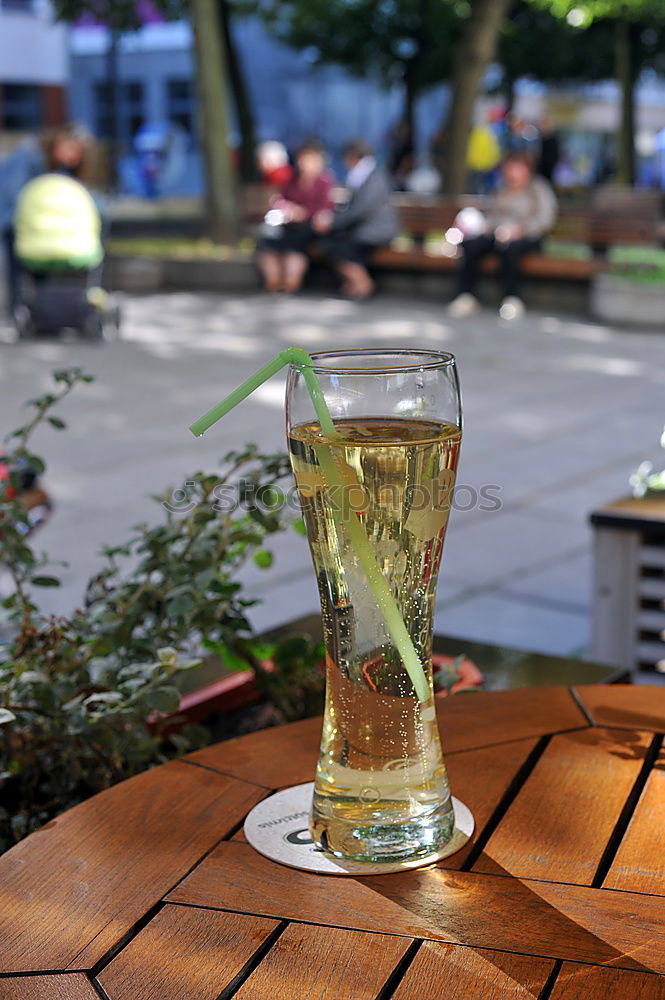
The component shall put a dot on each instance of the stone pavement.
(558, 411)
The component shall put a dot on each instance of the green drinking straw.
(382, 593)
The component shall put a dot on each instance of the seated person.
(304, 201)
(367, 221)
(517, 218)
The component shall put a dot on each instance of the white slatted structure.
(629, 584)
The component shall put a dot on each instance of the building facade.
(291, 97)
(34, 68)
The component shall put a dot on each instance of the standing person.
(66, 151)
(402, 154)
(24, 163)
(549, 149)
(366, 222)
(63, 150)
(304, 202)
(518, 216)
(523, 138)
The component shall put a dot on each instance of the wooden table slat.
(466, 722)
(62, 987)
(78, 891)
(480, 778)
(185, 954)
(323, 963)
(577, 982)
(485, 911)
(448, 971)
(559, 825)
(624, 706)
(639, 865)
(69, 892)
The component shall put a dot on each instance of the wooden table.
(149, 892)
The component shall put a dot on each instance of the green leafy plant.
(292, 676)
(76, 691)
(645, 265)
(645, 480)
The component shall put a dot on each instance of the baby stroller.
(59, 248)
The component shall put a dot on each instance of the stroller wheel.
(23, 321)
(112, 323)
(93, 328)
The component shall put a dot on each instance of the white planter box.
(629, 303)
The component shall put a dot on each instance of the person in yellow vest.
(56, 221)
(483, 158)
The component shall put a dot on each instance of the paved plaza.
(559, 411)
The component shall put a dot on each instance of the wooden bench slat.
(535, 265)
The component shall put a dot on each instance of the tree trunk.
(241, 99)
(410, 95)
(475, 50)
(221, 194)
(626, 76)
(509, 90)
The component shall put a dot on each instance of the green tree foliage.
(535, 43)
(586, 11)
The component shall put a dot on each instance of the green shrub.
(75, 692)
(642, 264)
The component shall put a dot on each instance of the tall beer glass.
(376, 498)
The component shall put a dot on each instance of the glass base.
(380, 838)
(277, 828)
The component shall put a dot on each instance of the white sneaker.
(464, 305)
(512, 308)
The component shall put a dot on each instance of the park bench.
(613, 217)
(420, 219)
(625, 217)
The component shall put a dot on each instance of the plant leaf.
(164, 699)
(263, 558)
(45, 581)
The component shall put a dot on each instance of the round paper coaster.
(277, 828)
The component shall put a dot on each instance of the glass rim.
(429, 361)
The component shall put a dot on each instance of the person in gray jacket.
(515, 222)
(367, 221)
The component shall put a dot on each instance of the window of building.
(21, 107)
(23, 6)
(180, 102)
(129, 110)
